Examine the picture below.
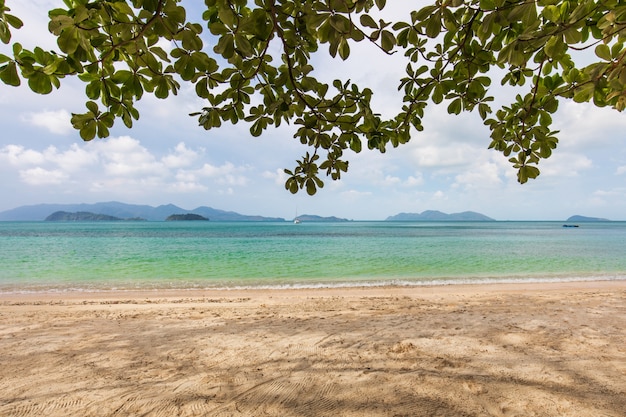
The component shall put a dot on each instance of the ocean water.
(48, 256)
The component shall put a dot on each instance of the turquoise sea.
(49, 256)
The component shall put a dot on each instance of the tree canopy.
(255, 65)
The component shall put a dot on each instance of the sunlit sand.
(497, 350)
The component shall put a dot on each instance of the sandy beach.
(552, 349)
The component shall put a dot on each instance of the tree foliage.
(254, 65)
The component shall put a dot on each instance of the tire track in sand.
(29, 407)
(290, 395)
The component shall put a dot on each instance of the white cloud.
(40, 176)
(237, 180)
(210, 171)
(584, 127)
(479, 176)
(613, 198)
(18, 156)
(620, 170)
(388, 181)
(446, 156)
(414, 181)
(565, 164)
(126, 157)
(182, 157)
(57, 121)
(68, 161)
(355, 194)
(617, 193)
(185, 176)
(226, 174)
(187, 187)
(123, 165)
(71, 160)
(278, 176)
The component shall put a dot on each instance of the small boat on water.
(570, 225)
(296, 220)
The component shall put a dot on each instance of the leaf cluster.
(257, 68)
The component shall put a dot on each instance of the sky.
(167, 158)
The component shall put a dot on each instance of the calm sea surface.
(45, 256)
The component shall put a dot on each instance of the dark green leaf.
(8, 74)
(366, 20)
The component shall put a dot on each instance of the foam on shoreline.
(304, 285)
(195, 294)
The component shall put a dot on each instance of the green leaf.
(367, 21)
(484, 110)
(291, 184)
(340, 23)
(604, 52)
(40, 83)
(311, 188)
(162, 88)
(8, 74)
(14, 21)
(552, 13)
(527, 172)
(225, 46)
(344, 49)
(551, 104)
(102, 130)
(92, 107)
(455, 106)
(69, 40)
(93, 90)
(88, 131)
(584, 93)
(423, 14)
(227, 16)
(437, 95)
(388, 41)
(433, 27)
(5, 32)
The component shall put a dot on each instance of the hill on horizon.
(579, 218)
(84, 216)
(438, 216)
(39, 212)
(309, 218)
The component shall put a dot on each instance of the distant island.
(312, 218)
(578, 218)
(117, 211)
(185, 217)
(39, 212)
(438, 216)
(85, 216)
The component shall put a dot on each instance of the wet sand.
(478, 350)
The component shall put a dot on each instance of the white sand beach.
(552, 349)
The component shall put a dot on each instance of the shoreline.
(542, 349)
(347, 291)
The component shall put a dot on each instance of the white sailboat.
(296, 220)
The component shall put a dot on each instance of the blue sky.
(167, 158)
